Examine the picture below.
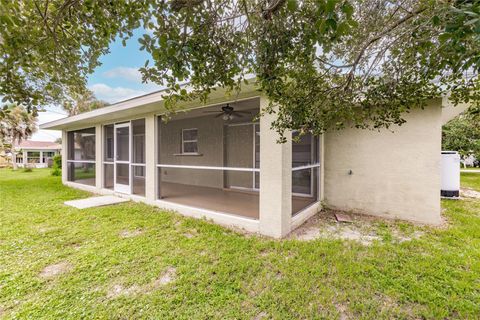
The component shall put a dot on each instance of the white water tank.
(450, 174)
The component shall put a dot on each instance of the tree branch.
(375, 39)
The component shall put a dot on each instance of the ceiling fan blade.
(244, 112)
(219, 115)
(237, 114)
(213, 111)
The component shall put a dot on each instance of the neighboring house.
(36, 153)
(226, 166)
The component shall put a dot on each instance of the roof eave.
(150, 103)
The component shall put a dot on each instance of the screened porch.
(205, 158)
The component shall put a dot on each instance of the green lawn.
(217, 273)
(470, 180)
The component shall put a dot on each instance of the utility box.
(450, 174)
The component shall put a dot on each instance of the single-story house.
(216, 160)
(36, 153)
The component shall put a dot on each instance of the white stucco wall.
(450, 111)
(395, 174)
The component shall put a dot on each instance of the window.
(81, 145)
(189, 141)
(138, 157)
(47, 155)
(81, 156)
(108, 163)
(108, 143)
(33, 157)
(305, 171)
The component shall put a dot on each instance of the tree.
(83, 102)
(462, 133)
(47, 48)
(15, 126)
(325, 63)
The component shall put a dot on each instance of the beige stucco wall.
(210, 147)
(212, 141)
(239, 153)
(395, 174)
(449, 111)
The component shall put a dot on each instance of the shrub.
(56, 172)
(57, 160)
(57, 165)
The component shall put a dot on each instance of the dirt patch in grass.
(165, 278)
(45, 229)
(469, 193)
(55, 270)
(262, 315)
(363, 229)
(190, 234)
(342, 311)
(130, 233)
(119, 290)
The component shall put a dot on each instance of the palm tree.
(83, 102)
(17, 125)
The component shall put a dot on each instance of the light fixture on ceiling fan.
(228, 113)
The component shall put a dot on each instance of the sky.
(115, 80)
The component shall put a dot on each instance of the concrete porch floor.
(241, 203)
(231, 201)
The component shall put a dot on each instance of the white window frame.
(184, 141)
(310, 167)
(81, 160)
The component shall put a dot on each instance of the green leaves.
(292, 5)
(47, 49)
(326, 63)
(463, 133)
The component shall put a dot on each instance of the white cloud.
(126, 73)
(114, 94)
(46, 135)
(52, 113)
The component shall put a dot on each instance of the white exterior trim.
(82, 161)
(310, 166)
(179, 166)
(302, 216)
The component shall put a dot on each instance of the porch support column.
(98, 156)
(25, 160)
(64, 153)
(40, 161)
(150, 164)
(321, 184)
(275, 179)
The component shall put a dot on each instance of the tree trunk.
(14, 155)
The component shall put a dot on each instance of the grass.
(470, 168)
(470, 180)
(219, 273)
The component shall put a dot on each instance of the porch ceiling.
(150, 103)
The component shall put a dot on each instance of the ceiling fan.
(228, 113)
